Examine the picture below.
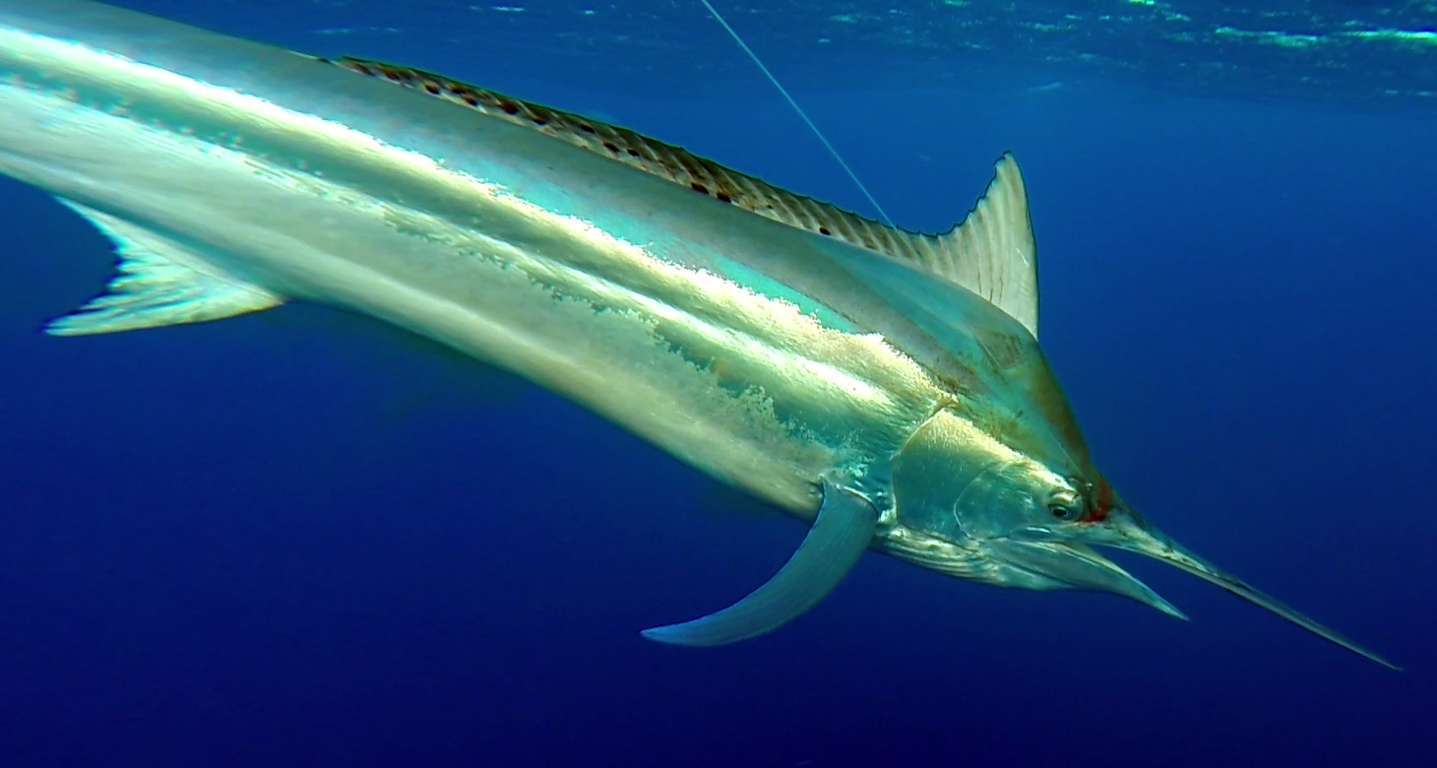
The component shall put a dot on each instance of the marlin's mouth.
(1059, 564)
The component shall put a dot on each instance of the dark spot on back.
(824, 231)
(697, 187)
(509, 107)
(586, 128)
(724, 197)
(612, 147)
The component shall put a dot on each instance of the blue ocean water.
(301, 537)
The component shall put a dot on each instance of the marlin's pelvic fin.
(839, 535)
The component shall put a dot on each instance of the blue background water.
(301, 537)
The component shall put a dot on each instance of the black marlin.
(885, 385)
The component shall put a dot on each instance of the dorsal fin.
(991, 253)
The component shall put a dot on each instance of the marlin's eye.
(1065, 506)
(1063, 511)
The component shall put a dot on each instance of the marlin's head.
(1036, 520)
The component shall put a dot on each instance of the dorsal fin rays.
(991, 253)
(647, 154)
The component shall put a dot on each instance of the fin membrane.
(839, 535)
(991, 253)
(160, 282)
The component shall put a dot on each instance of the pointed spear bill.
(1138, 537)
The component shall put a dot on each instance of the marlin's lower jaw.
(1022, 564)
(1071, 565)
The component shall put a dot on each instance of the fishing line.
(796, 108)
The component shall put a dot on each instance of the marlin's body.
(887, 384)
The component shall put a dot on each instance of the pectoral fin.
(839, 535)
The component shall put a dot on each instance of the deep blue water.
(301, 538)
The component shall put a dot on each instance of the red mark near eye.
(1102, 503)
